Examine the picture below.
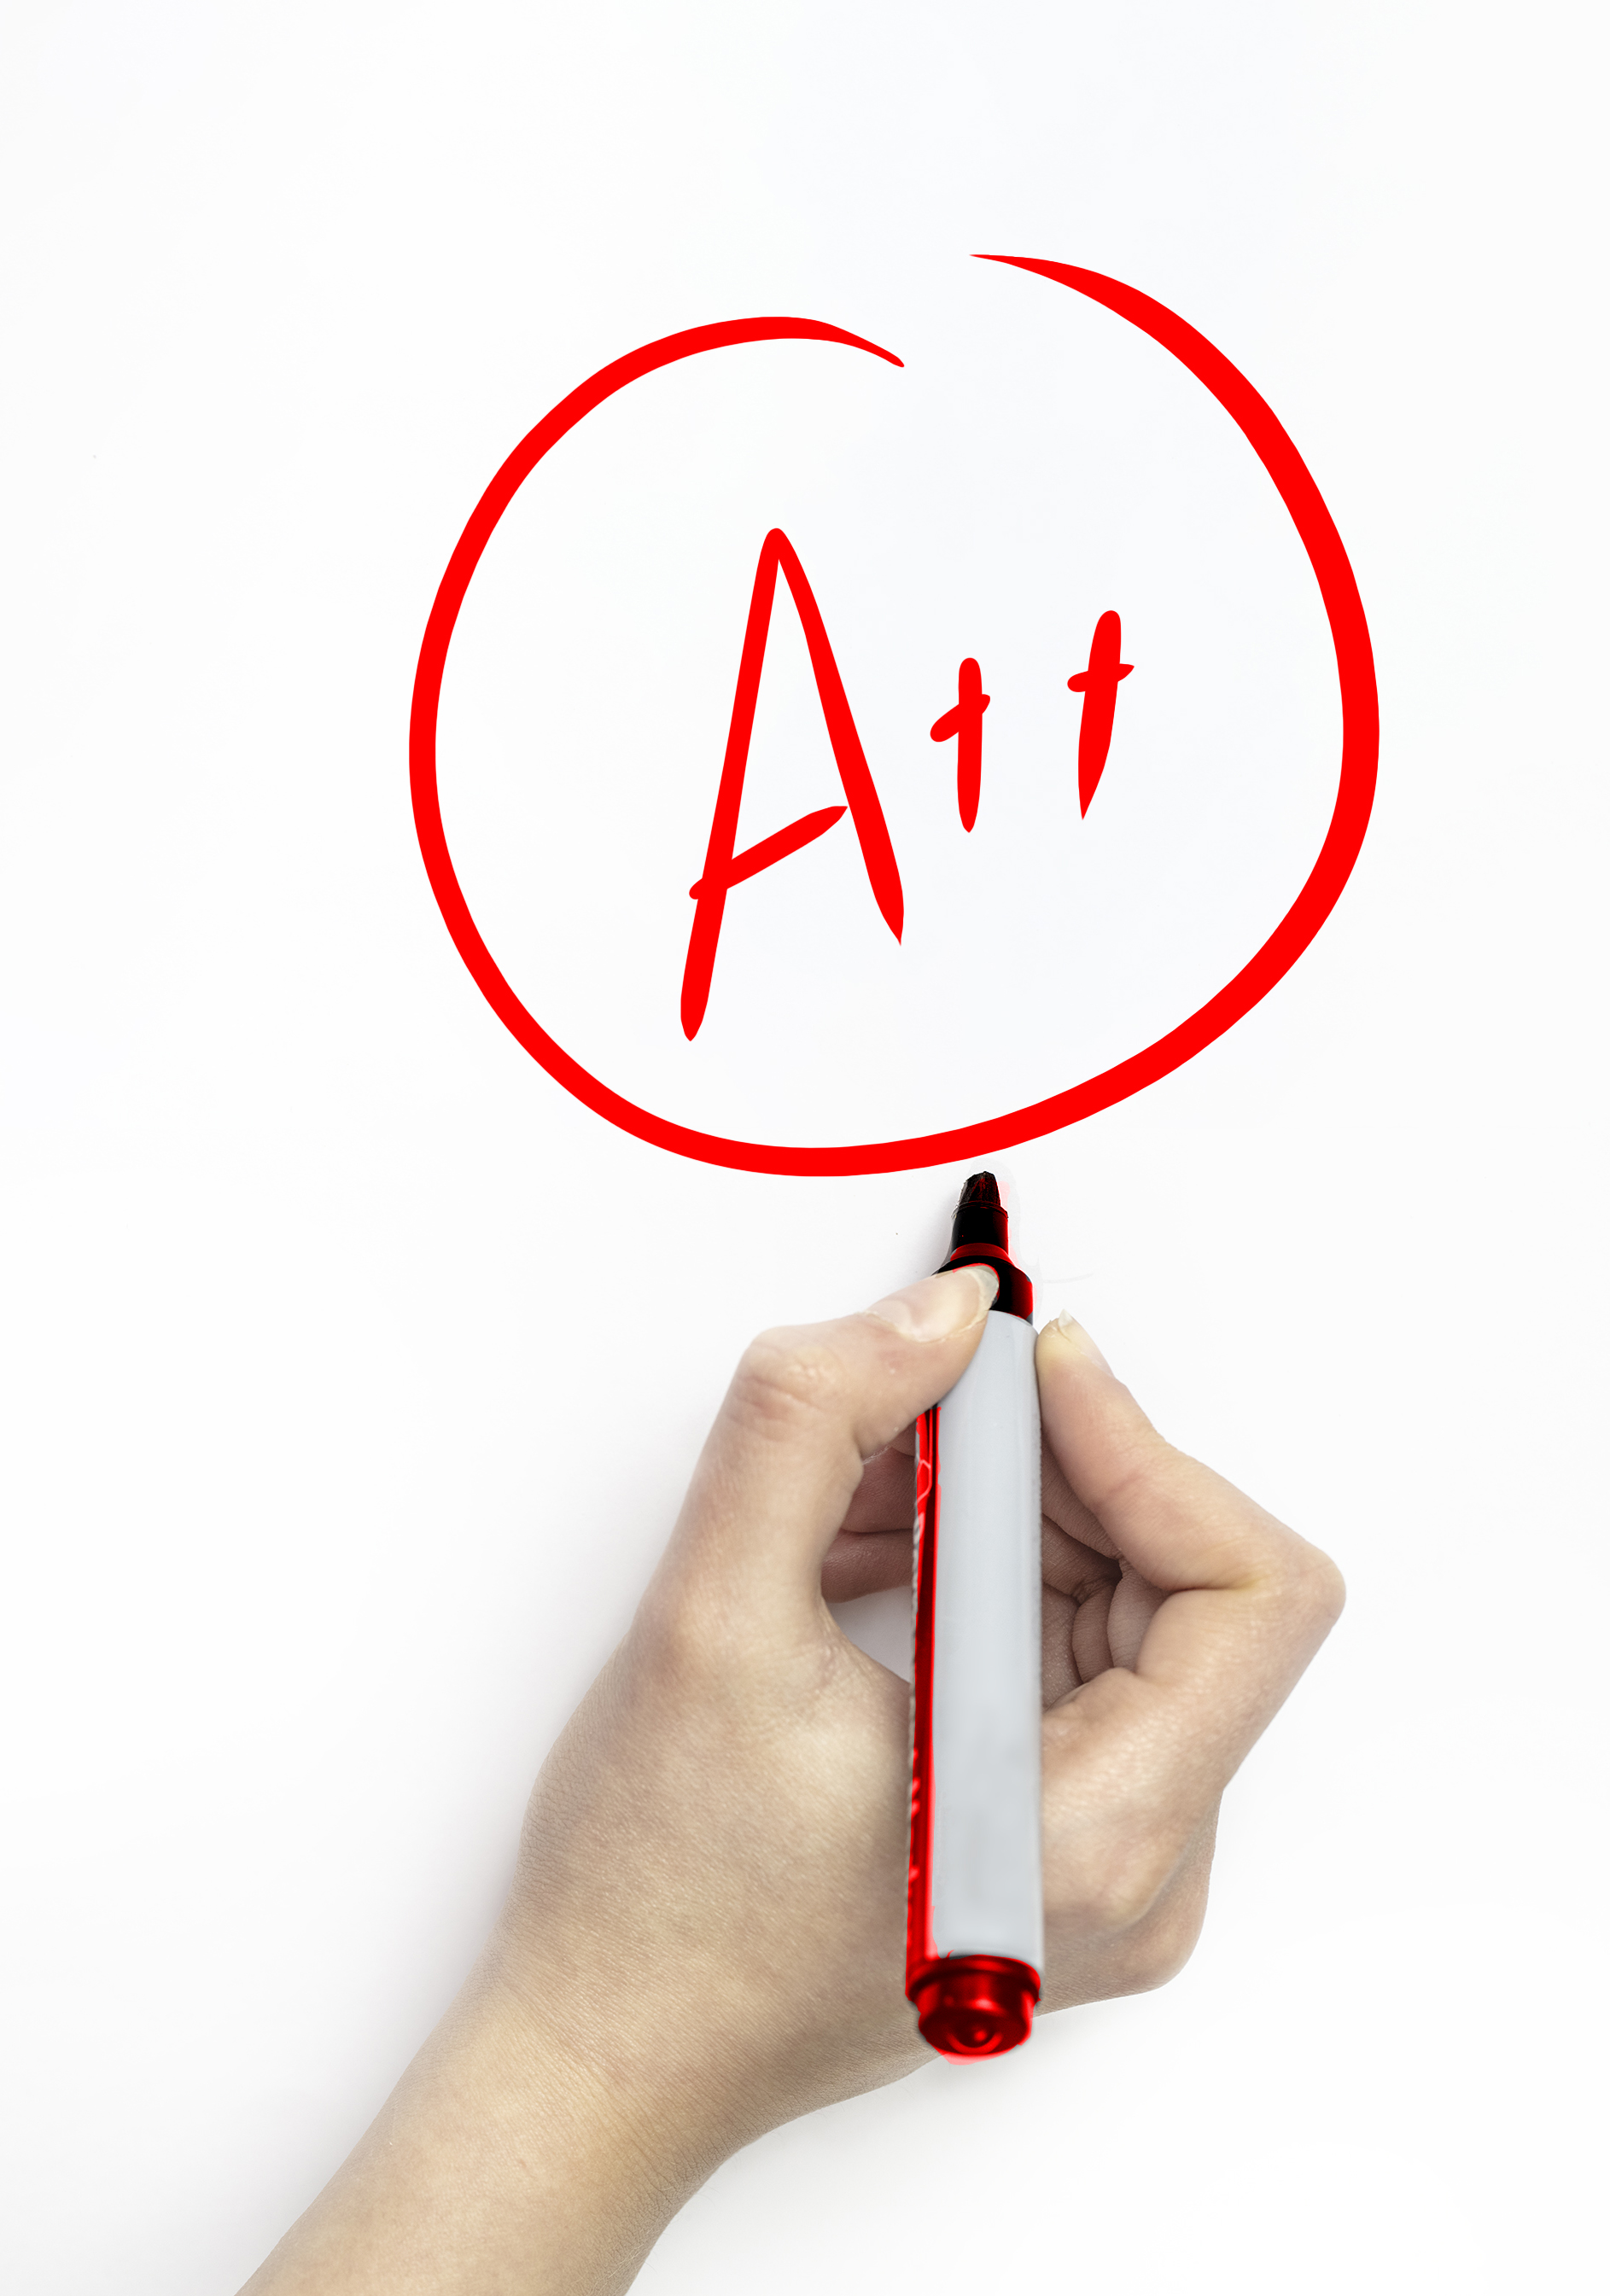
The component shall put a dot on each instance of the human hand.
(1177, 1615)
(705, 1934)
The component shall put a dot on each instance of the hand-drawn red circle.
(1360, 739)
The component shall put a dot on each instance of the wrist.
(505, 2156)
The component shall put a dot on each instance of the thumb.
(809, 1405)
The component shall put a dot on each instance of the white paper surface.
(323, 1500)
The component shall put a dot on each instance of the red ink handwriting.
(1099, 685)
(722, 868)
(987, 1134)
(966, 726)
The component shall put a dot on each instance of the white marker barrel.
(984, 1856)
(976, 1925)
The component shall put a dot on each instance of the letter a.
(724, 869)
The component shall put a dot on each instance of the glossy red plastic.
(976, 2005)
(978, 1237)
(919, 1896)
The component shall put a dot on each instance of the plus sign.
(964, 725)
(1099, 685)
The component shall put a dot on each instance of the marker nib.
(980, 1217)
(978, 1233)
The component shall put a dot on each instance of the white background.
(352, 1369)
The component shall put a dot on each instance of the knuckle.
(1117, 1886)
(1328, 1589)
(1158, 1948)
(1136, 1897)
(672, 1646)
(692, 1662)
(785, 1381)
(1133, 1462)
(1309, 1585)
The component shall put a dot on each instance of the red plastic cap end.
(976, 2007)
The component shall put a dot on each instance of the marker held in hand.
(975, 1924)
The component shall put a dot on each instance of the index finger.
(806, 1409)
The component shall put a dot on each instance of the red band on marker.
(919, 1892)
(975, 2004)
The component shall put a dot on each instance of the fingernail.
(940, 1306)
(1067, 1328)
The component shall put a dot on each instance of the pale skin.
(705, 1934)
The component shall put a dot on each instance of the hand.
(705, 1936)
(1177, 1616)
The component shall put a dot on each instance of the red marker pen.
(975, 1922)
